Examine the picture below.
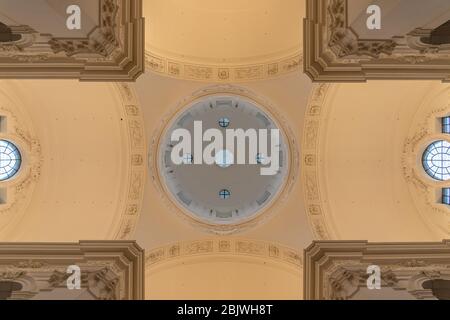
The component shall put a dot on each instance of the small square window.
(446, 125)
(3, 123)
(3, 196)
(446, 196)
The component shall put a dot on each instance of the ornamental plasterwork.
(337, 270)
(109, 270)
(344, 279)
(177, 68)
(136, 180)
(316, 210)
(224, 246)
(344, 42)
(262, 216)
(334, 51)
(113, 50)
(20, 188)
(424, 189)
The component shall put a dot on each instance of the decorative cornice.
(177, 68)
(333, 52)
(101, 41)
(224, 247)
(344, 42)
(113, 51)
(255, 220)
(110, 270)
(336, 270)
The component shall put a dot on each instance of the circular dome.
(10, 160)
(236, 160)
(436, 160)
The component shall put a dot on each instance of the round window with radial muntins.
(10, 160)
(436, 160)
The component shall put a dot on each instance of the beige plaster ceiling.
(221, 269)
(160, 222)
(87, 136)
(202, 39)
(362, 171)
(353, 139)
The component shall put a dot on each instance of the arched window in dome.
(10, 160)
(436, 160)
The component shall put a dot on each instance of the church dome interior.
(227, 147)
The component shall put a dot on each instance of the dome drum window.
(436, 160)
(10, 160)
(446, 196)
(446, 125)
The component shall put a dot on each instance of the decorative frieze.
(218, 73)
(311, 157)
(232, 247)
(138, 170)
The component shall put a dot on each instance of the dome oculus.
(233, 173)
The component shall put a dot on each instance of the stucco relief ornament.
(315, 113)
(274, 252)
(345, 42)
(422, 186)
(135, 125)
(12, 275)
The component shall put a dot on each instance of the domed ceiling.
(83, 171)
(242, 180)
(94, 164)
(362, 152)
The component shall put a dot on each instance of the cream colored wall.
(223, 32)
(223, 278)
(85, 150)
(362, 179)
